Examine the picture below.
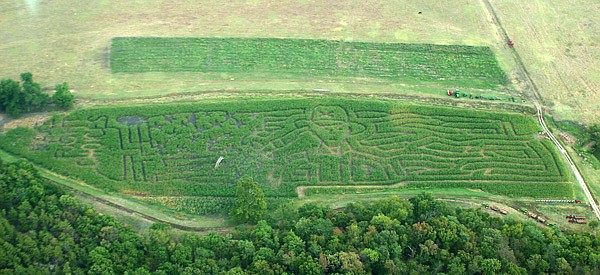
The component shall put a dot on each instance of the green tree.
(563, 266)
(63, 97)
(25, 96)
(10, 91)
(490, 266)
(310, 266)
(595, 138)
(100, 261)
(32, 97)
(425, 206)
(27, 77)
(250, 204)
(312, 211)
(262, 235)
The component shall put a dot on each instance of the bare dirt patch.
(29, 121)
(567, 138)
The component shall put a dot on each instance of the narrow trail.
(562, 150)
(300, 189)
(537, 101)
(48, 175)
(132, 211)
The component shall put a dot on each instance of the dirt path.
(108, 201)
(142, 215)
(538, 101)
(300, 189)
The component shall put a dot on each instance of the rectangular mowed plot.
(472, 66)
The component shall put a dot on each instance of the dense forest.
(44, 230)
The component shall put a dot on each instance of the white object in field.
(219, 162)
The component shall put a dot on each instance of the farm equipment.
(486, 205)
(533, 216)
(455, 93)
(495, 208)
(503, 212)
(541, 220)
(577, 219)
(511, 43)
(523, 210)
(558, 201)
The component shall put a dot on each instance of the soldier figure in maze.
(323, 146)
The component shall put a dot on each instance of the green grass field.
(166, 154)
(70, 40)
(454, 65)
(559, 41)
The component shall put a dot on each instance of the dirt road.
(537, 99)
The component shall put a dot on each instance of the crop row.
(306, 57)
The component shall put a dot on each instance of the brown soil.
(567, 138)
(29, 121)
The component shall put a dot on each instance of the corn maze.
(271, 57)
(167, 154)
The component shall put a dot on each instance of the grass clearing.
(164, 157)
(70, 40)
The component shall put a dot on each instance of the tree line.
(595, 138)
(18, 97)
(44, 230)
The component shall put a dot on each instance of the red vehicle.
(511, 43)
(570, 217)
(577, 201)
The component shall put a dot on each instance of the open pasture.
(559, 42)
(70, 40)
(464, 66)
(167, 154)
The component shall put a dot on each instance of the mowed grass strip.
(468, 65)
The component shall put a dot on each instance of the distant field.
(464, 66)
(70, 40)
(559, 42)
(166, 154)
